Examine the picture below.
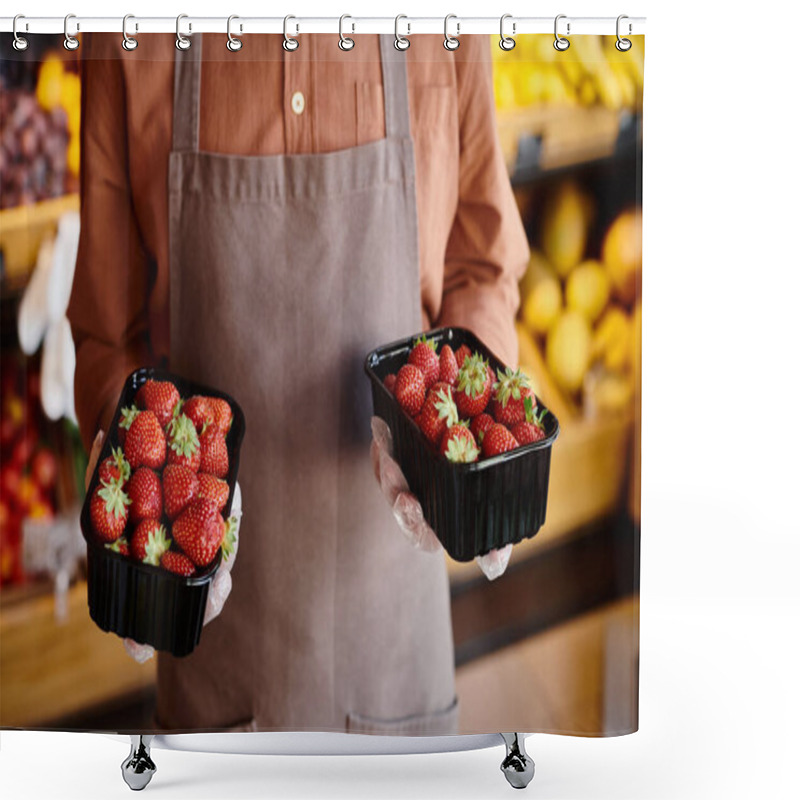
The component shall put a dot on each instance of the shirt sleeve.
(108, 305)
(487, 252)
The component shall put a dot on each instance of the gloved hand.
(407, 509)
(221, 585)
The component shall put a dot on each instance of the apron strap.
(395, 89)
(186, 97)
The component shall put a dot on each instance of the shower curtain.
(320, 376)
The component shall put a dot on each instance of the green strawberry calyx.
(510, 384)
(229, 540)
(156, 545)
(424, 340)
(127, 416)
(446, 407)
(473, 375)
(183, 436)
(531, 416)
(115, 499)
(118, 545)
(461, 448)
(121, 463)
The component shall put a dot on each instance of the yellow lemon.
(542, 306)
(565, 226)
(587, 289)
(538, 269)
(568, 350)
(612, 339)
(622, 254)
(49, 85)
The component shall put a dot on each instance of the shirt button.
(298, 103)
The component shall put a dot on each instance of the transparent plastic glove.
(221, 585)
(407, 509)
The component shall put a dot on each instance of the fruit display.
(157, 515)
(39, 134)
(471, 437)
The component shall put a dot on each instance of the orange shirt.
(472, 246)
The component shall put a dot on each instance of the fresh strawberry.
(119, 546)
(173, 561)
(448, 366)
(108, 511)
(438, 414)
(180, 486)
(160, 397)
(144, 490)
(389, 382)
(479, 425)
(199, 532)
(531, 429)
(409, 389)
(145, 445)
(458, 444)
(221, 412)
(423, 355)
(462, 354)
(229, 540)
(498, 439)
(213, 489)
(149, 542)
(126, 418)
(183, 443)
(213, 452)
(196, 408)
(114, 468)
(508, 401)
(473, 388)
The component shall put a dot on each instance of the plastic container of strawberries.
(140, 601)
(477, 507)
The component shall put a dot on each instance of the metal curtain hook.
(129, 42)
(345, 42)
(401, 42)
(560, 43)
(506, 42)
(182, 42)
(233, 44)
(451, 42)
(623, 45)
(70, 42)
(290, 44)
(20, 43)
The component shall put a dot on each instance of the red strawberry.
(196, 408)
(180, 489)
(409, 389)
(173, 561)
(531, 429)
(160, 397)
(199, 532)
(438, 414)
(498, 439)
(389, 382)
(114, 468)
(144, 490)
(448, 366)
(473, 388)
(462, 354)
(108, 511)
(458, 445)
(221, 412)
(118, 546)
(145, 445)
(423, 355)
(213, 489)
(149, 542)
(213, 452)
(126, 418)
(183, 443)
(508, 403)
(479, 425)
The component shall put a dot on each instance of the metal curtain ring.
(506, 42)
(20, 43)
(70, 42)
(181, 41)
(290, 44)
(345, 42)
(451, 42)
(623, 45)
(401, 42)
(233, 44)
(560, 44)
(128, 42)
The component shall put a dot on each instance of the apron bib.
(284, 272)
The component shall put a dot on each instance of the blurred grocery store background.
(563, 621)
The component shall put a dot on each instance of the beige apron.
(284, 272)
